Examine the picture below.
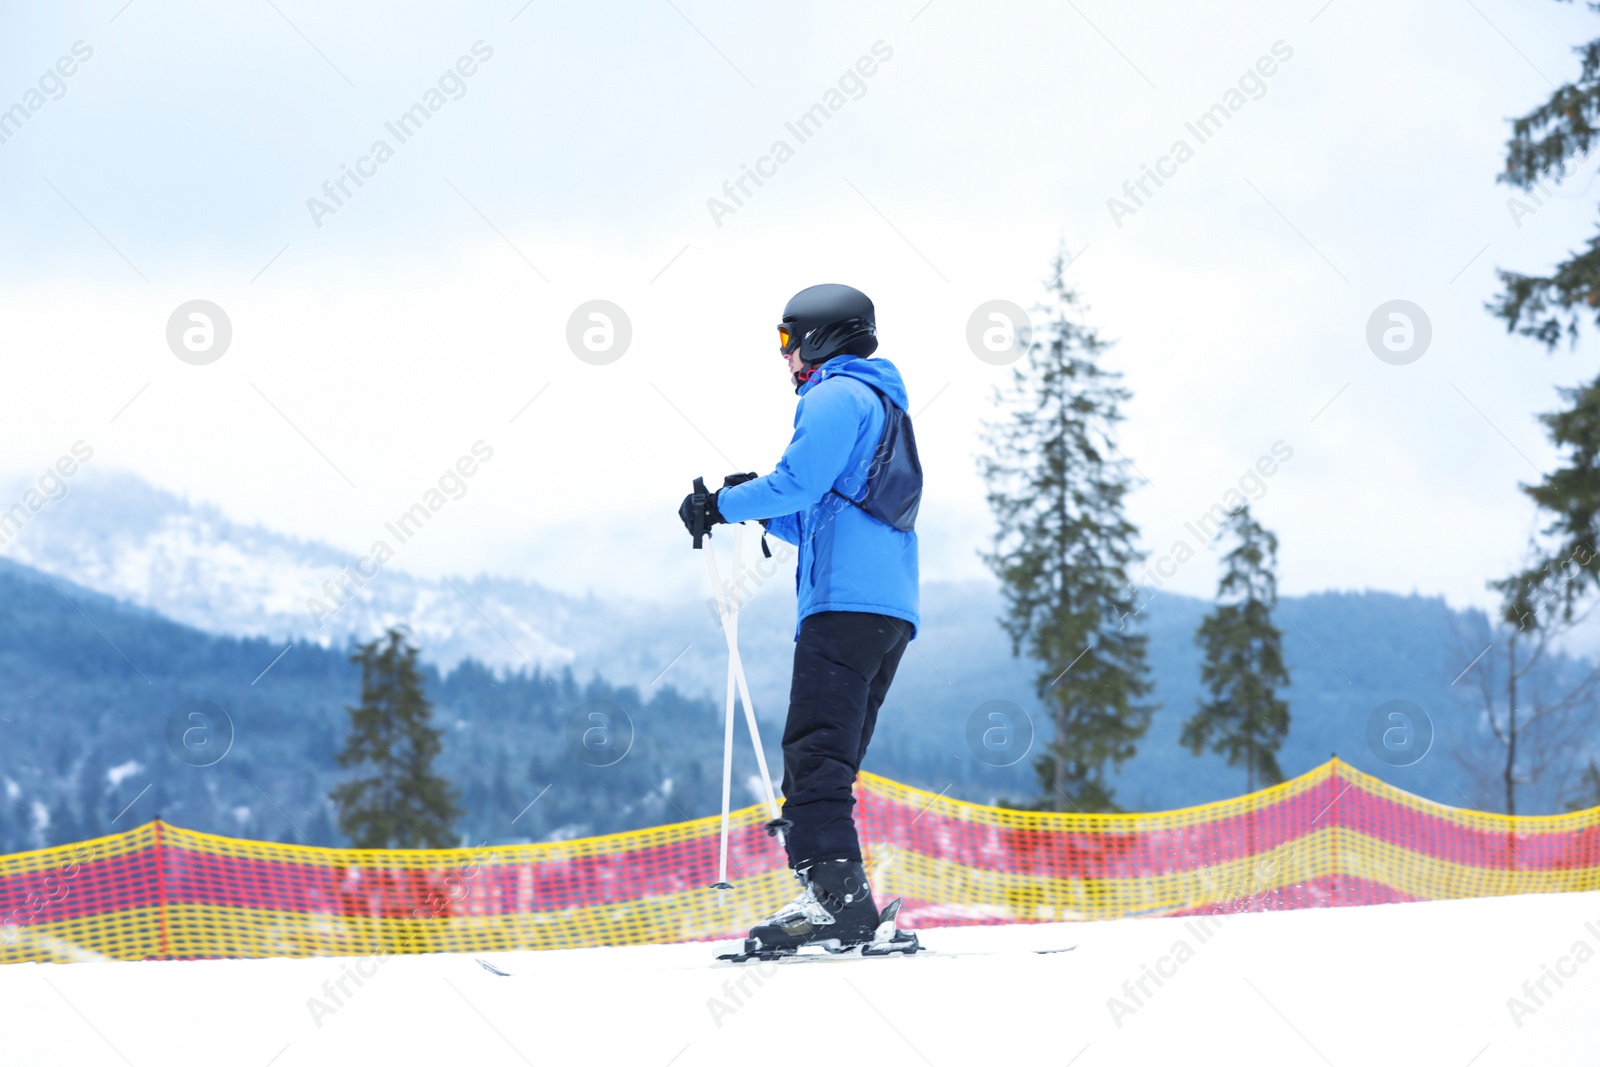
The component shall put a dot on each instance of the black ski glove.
(699, 513)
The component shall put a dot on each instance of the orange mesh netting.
(1333, 836)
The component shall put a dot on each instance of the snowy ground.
(1393, 984)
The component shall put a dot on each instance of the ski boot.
(834, 912)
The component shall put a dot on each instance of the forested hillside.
(91, 687)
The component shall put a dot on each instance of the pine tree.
(1549, 143)
(1063, 551)
(1542, 600)
(1564, 566)
(1244, 720)
(400, 803)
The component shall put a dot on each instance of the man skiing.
(846, 492)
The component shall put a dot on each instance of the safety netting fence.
(1333, 836)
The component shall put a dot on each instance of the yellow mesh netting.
(1333, 836)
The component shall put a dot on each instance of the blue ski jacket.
(849, 561)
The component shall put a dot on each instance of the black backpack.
(894, 481)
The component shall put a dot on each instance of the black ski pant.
(843, 664)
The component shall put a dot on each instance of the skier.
(846, 492)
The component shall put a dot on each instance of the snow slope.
(1393, 984)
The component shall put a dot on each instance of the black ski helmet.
(829, 320)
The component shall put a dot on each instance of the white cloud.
(407, 327)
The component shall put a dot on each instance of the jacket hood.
(878, 373)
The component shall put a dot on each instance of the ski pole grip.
(699, 530)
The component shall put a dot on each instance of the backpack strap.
(885, 401)
(886, 475)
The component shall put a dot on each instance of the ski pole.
(727, 737)
(736, 662)
(699, 532)
(728, 613)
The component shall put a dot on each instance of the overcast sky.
(377, 336)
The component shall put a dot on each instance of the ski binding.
(886, 941)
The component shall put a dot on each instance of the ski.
(903, 943)
(851, 954)
(836, 955)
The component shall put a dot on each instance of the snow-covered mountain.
(124, 537)
(119, 535)
(1348, 653)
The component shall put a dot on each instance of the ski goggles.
(789, 338)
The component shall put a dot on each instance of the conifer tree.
(1548, 597)
(1548, 145)
(1244, 720)
(400, 802)
(1063, 551)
